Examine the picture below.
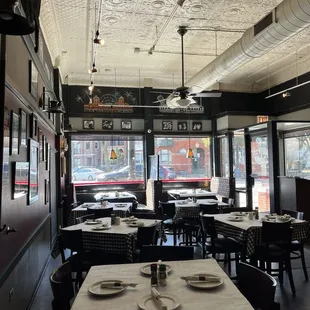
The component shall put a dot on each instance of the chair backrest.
(71, 239)
(257, 287)
(274, 233)
(208, 227)
(146, 236)
(167, 209)
(83, 218)
(153, 253)
(295, 214)
(234, 209)
(211, 208)
(99, 213)
(62, 288)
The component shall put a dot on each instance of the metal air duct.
(287, 19)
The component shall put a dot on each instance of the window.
(224, 160)
(173, 164)
(93, 163)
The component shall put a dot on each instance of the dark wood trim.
(19, 255)
(230, 154)
(248, 169)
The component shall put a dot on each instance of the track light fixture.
(286, 94)
(91, 86)
(97, 40)
(93, 69)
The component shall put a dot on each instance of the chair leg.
(281, 273)
(237, 260)
(174, 237)
(290, 275)
(268, 266)
(229, 262)
(303, 262)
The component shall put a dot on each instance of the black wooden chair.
(218, 245)
(100, 213)
(297, 247)
(61, 284)
(83, 218)
(167, 211)
(257, 287)
(147, 235)
(276, 245)
(149, 253)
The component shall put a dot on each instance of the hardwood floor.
(301, 301)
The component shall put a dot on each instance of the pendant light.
(113, 153)
(189, 153)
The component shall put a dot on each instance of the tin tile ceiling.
(69, 26)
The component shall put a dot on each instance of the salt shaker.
(162, 275)
(154, 280)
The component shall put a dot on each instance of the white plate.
(101, 227)
(205, 285)
(146, 269)
(96, 290)
(148, 302)
(93, 222)
(128, 220)
(239, 213)
(235, 219)
(135, 225)
(120, 205)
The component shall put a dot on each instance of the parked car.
(121, 174)
(85, 174)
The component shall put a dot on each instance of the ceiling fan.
(181, 96)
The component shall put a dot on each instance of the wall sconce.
(54, 106)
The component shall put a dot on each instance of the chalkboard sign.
(126, 125)
(166, 125)
(107, 124)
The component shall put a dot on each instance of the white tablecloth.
(82, 210)
(191, 193)
(112, 195)
(226, 297)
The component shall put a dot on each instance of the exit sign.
(262, 118)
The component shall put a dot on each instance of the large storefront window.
(224, 159)
(91, 161)
(173, 164)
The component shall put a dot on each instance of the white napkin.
(113, 284)
(158, 298)
(201, 279)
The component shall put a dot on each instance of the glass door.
(260, 172)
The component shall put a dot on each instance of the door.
(259, 177)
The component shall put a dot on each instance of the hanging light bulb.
(113, 154)
(93, 69)
(190, 153)
(97, 40)
(91, 86)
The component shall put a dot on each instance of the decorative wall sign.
(15, 130)
(33, 79)
(107, 124)
(196, 126)
(6, 147)
(88, 124)
(33, 186)
(167, 125)
(23, 127)
(20, 179)
(262, 118)
(33, 126)
(182, 126)
(126, 125)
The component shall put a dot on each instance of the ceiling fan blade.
(207, 95)
(159, 92)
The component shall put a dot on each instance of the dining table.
(224, 297)
(192, 192)
(248, 231)
(115, 196)
(119, 209)
(190, 209)
(117, 239)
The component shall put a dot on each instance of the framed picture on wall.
(33, 127)
(88, 124)
(182, 126)
(107, 124)
(14, 139)
(23, 127)
(166, 125)
(196, 126)
(33, 80)
(46, 191)
(33, 186)
(48, 156)
(126, 125)
(20, 179)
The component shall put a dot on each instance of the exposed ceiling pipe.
(290, 17)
